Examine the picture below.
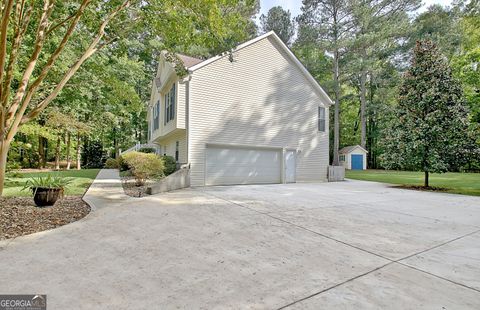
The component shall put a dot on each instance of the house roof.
(284, 47)
(189, 61)
(350, 148)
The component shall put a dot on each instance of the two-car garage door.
(239, 165)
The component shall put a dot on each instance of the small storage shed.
(353, 157)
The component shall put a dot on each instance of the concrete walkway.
(348, 245)
(106, 190)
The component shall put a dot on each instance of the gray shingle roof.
(350, 148)
(189, 61)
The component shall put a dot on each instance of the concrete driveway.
(348, 245)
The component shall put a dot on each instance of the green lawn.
(81, 180)
(458, 183)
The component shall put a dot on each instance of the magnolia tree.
(36, 62)
(431, 128)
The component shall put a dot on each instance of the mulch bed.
(19, 216)
(131, 189)
(422, 188)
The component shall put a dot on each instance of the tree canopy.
(358, 51)
(280, 21)
(44, 44)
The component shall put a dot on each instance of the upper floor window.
(170, 98)
(156, 115)
(321, 119)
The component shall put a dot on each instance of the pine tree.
(430, 131)
(280, 21)
(327, 23)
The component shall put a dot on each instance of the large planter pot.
(45, 196)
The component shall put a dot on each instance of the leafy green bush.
(170, 164)
(144, 166)
(111, 163)
(12, 166)
(147, 150)
(122, 164)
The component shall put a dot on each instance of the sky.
(294, 5)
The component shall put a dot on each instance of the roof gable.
(189, 61)
(279, 45)
(350, 148)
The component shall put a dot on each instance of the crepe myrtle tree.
(43, 43)
(21, 95)
(430, 129)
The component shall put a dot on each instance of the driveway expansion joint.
(391, 261)
(334, 286)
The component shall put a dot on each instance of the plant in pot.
(46, 190)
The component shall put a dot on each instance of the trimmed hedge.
(111, 163)
(144, 166)
(170, 164)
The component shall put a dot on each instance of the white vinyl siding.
(259, 99)
(168, 146)
(166, 82)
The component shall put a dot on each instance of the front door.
(290, 166)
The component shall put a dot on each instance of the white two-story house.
(250, 117)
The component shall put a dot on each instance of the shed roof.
(350, 148)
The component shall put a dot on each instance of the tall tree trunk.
(4, 147)
(78, 150)
(57, 153)
(69, 160)
(426, 181)
(41, 152)
(336, 119)
(363, 108)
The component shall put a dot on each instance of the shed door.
(232, 165)
(357, 162)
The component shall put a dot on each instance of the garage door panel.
(225, 166)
